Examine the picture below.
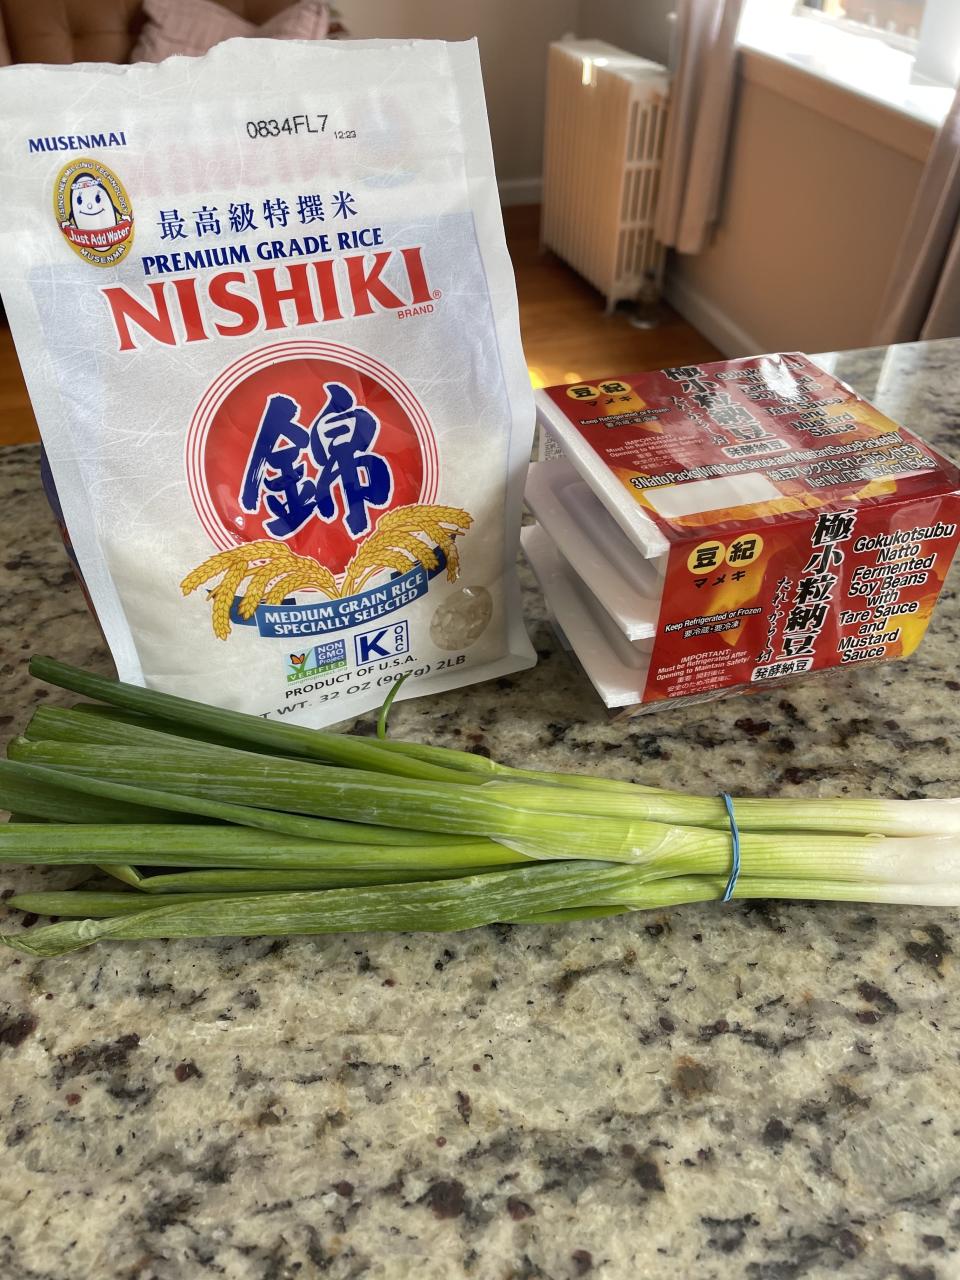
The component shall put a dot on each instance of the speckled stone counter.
(762, 1091)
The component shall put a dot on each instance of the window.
(928, 30)
(902, 52)
(898, 18)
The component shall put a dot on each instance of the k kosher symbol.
(384, 642)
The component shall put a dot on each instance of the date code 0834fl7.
(304, 122)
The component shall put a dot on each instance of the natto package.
(268, 323)
(723, 527)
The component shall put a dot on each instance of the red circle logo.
(308, 443)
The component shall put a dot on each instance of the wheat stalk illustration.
(403, 537)
(397, 544)
(269, 566)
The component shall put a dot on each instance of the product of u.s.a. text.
(269, 328)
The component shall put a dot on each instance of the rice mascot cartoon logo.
(93, 212)
(90, 204)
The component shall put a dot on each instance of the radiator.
(606, 115)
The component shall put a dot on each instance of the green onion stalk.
(539, 822)
(211, 822)
(530, 894)
(550, 793)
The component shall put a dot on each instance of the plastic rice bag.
(269, 327)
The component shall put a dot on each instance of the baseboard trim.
(520, 191)
(721, 329)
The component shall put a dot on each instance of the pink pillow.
(191, 27)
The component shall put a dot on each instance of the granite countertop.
(762, 1091)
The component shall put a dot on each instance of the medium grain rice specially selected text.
(269, 327)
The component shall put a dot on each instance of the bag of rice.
(268, 323)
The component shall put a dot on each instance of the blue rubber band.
(735, 836)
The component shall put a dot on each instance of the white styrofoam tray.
(627, 585)
(616, 667)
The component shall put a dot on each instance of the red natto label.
(310, 444)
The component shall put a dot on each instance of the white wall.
(639, 26)
(513, 36)
(813, 211)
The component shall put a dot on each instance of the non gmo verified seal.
(93, 211)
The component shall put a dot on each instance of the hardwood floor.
(17, 424)
(566, 336)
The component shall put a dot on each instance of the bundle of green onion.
(270, 829)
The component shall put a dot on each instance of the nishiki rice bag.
(269, 327)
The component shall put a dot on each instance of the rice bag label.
(335, 486)
(276, 366)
